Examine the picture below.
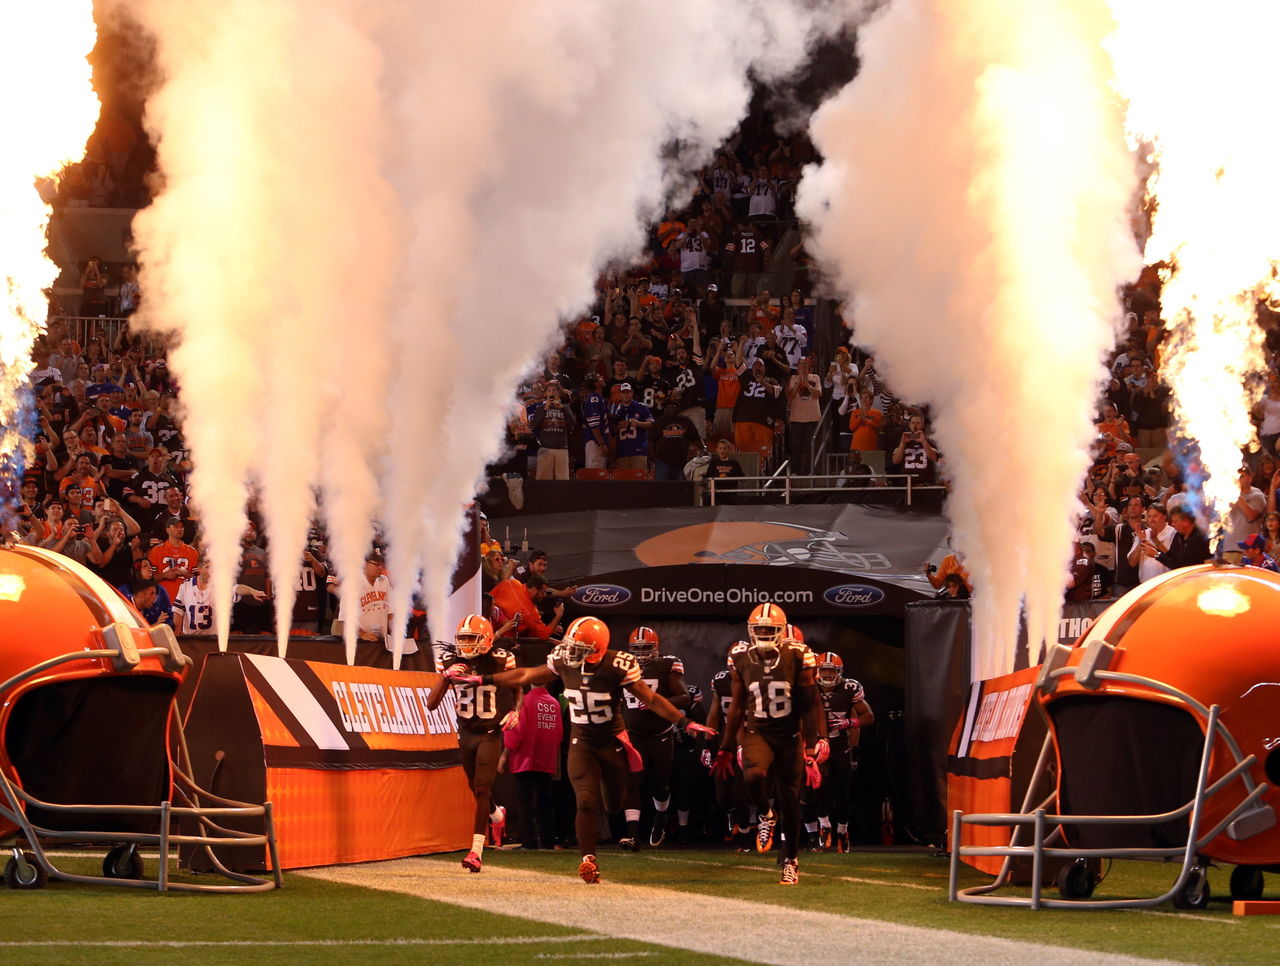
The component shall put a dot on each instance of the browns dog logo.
(751, 542)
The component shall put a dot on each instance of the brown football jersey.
(657, 674)
(594, 694)
(480, 708)
(772, 693)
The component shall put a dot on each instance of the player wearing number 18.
(774, 695)
(483, 711)
(595, 678)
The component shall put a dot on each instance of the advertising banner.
(355, 766)
(980, 758)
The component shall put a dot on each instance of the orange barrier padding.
(355, 765)
(980, 762)
(329, 817)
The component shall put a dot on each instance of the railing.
(880, 489)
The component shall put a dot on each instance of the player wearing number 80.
(595, 678)
(774, 692)
(483, 710)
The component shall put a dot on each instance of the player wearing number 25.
(595, 678)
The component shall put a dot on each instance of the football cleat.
(824, 838)
(473, 637)
(627, 843)
(830, 669)
(644, 644)
(812, 843)
(498, 827)
(842, 842)
(790, 873)
(731, 831)
(764, 832)
(589, 870)
(472, 862)
(584, 642)
(659, 831)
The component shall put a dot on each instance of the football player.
(774, 700)
(731, 792)
(652, 735)
(483, 711)
(847, 713)
(595, 679)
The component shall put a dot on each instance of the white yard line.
(753, 931)
(184, 944)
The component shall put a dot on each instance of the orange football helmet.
(87, 721)
(474, 636)
(766, 624)
(644, 644)
(830, 669)
(793, 634)
(585, 641)
(1181, 676)
(765, 628)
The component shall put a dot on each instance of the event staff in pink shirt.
(533, 755)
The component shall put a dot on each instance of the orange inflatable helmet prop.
(87, 721)
(1182, 675)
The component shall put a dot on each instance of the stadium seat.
(630, 474)
(591, 473)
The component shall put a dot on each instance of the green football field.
(409, 911)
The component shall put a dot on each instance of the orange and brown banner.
(980, 759)
(355, 765)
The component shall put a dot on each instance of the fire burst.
(1199, 90)
(49, 110)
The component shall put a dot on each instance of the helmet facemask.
(470, 645)
(644, 651)
(573, 653)
(828, 675)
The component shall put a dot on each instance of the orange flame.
(50, 109)
(1198, 81)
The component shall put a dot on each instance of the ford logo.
(853, 595)
(601, 595)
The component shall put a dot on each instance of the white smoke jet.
(268, 253)
(974, 208)
(523, 147)
(544, 166)
(1217, 215)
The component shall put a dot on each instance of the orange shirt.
(512, 597)
(182, 558)
(728, 387)
(865, 425)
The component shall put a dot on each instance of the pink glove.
(812, 773)
(511, 720)
(722, 766)
(821, 751)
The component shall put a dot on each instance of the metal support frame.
(1042, 821)
(196, 804)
